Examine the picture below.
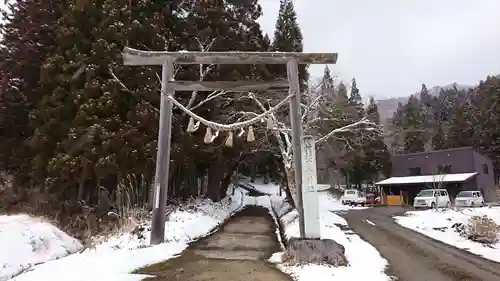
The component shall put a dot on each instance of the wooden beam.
(230, 86)
(139, 57)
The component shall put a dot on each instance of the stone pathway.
(236, 252)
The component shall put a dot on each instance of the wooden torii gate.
(168, 87)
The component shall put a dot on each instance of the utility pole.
(162, 156)
(160, 187)
(296, 122)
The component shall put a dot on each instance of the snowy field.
(26, 241)
(437, 224)
(114, 258)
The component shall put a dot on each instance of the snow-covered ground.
(26, 241)
(437, 224)
(270, 188)
(117, 256)
(365, 262)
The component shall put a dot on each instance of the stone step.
(232, 254)
(249, 225)
(237, 241)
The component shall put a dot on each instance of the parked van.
(469, 199)
(353, 197)
(432, 198)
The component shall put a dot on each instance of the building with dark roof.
(455, 169)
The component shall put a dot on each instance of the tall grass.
(129, 202)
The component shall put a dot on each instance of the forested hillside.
(387, 107)
(454, 118)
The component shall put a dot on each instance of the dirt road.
(238, 251)
(413, 256)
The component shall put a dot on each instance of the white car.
(432, 198)
(353, 197)
(469, 199)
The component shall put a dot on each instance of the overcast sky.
(393, 46)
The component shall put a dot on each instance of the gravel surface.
(413, 256)
(238, 251)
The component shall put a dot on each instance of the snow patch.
(365, 262)
(116, 257)
(26, 241)
(370, 222)
(437, 224)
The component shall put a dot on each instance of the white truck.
(353, 197)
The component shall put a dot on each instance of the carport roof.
(427, 179)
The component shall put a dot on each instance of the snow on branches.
(283, 133)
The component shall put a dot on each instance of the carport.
(402, 190)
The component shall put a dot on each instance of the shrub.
(479, 229)
(483, 230)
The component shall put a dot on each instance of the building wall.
(470, 184)
(485, 179)
(461, 161)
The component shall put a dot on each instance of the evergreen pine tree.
(372, 111)
(342, 96)
(425, 97)
(412, 127)
(439, 139)
(428, 122)
(355, 101)
(487, 125)
(288, 38)
(27, 39)
(327, 80)
(377, 158)
(333, 112)
(461, 128)
(327, 90)
(90, 128)
(395, 135)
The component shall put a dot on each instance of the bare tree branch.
(363, 123)
(210, 97)
(202, 72)
(309, 107)
(279, 131)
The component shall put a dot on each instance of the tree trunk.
(227, 179)
(215, 175)
(202, 190)
(171, 181)
(291, 190)
(253, 170)
(81, 188)
(193, 180)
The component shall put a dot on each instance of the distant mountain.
(387, 107)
